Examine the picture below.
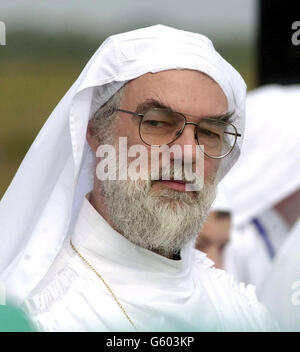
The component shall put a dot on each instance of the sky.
(218, 19)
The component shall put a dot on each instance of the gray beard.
(162, 221)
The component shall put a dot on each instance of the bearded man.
(89, 253)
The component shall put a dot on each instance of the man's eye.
(154, 123)
(207, 133)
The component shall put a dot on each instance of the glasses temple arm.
(234, 134)
(130, 112)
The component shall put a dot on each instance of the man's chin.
(173, 205)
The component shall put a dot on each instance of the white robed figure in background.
(264, 185)
(281, 291)
(84, 254)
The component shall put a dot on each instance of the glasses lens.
(160, 126)
(216, 138)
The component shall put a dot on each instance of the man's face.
(214, 236)
(155, 214)
(189, 92)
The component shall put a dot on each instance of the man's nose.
(187, 143)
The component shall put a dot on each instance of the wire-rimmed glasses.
(160, 126)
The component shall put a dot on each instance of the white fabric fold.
(222, 201)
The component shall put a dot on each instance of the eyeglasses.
(160, 126)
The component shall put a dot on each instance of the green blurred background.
(39, 64)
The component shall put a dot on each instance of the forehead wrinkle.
(152, 103)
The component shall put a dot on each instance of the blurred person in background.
(264, 184)
(215, 233)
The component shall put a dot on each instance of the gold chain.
(101, 278)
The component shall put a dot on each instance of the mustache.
(175, 173)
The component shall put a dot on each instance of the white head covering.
(268, 169)
(39, 208)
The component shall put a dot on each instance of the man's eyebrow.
(221, 117)
(153, 103)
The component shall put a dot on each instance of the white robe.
(158, 294)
